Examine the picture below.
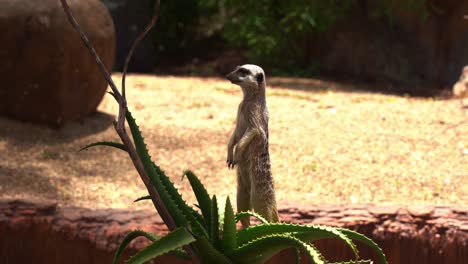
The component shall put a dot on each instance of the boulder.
(48, 76)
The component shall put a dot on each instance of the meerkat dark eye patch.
(243, 71)
(259, 77)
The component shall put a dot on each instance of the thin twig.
(121, 100)
(122, 109)
(120, 124)
(137, 42)
(90, 47)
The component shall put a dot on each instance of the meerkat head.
(247, 76)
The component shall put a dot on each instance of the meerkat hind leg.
(263, 206)
(264, 202)
(243, 194)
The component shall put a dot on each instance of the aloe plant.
(205, 235)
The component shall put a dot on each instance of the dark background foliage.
(271, 32)
(299, 38)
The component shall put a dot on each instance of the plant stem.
(119, 125)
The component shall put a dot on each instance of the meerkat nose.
(229, 77)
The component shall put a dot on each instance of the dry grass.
(329, 145)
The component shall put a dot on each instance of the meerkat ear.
(259, 77)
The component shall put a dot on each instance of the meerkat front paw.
(232, 159)
(231, 162)
(235, 159)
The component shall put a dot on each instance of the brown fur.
(248, 146)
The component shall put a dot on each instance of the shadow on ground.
(34, 182)
(15, 131)
(346, 85)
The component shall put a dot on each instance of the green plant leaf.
(208, 253)
(229, 229)
(177, 207)
(319, 255)
(302, 232)
(297, 255)
(214, 232)
(170, 242)
(154, 174)
(199, 218)
(129, 238)
(361, 261)
(147, 197)
(263, 248)
(180, 253)
(105, 143)
(365, 240)
(203, 198)
(321, 232)
(250, 213)
(191, 215)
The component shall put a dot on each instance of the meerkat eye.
(243, 71)
(260, 77)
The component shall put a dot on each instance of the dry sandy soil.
(330, 144)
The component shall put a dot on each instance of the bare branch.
(137, 42)
(121, 100)
(120, 124)
(90, 47)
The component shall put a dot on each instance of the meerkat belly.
(252, 150)
(256, 159)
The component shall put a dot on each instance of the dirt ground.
(329, 144)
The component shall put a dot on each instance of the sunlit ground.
(327, 145)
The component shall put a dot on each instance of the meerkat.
(460, 89)
(248, 146)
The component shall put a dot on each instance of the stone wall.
(45, 233)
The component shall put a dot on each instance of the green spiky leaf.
(214, 232)
(262, 249)
(240, 215)
(321, 232)
(208, 253)
(190, 215)
(170, 242)
(229, 229)
(107, 144)
(361, 261)
(147, 197)
(302, 232)
(198, 217)
(366, 241)
(203, 198)
(180, 253)
(129, 238)
(297, 255)
(154, 175)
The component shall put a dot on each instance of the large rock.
(47, 73)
